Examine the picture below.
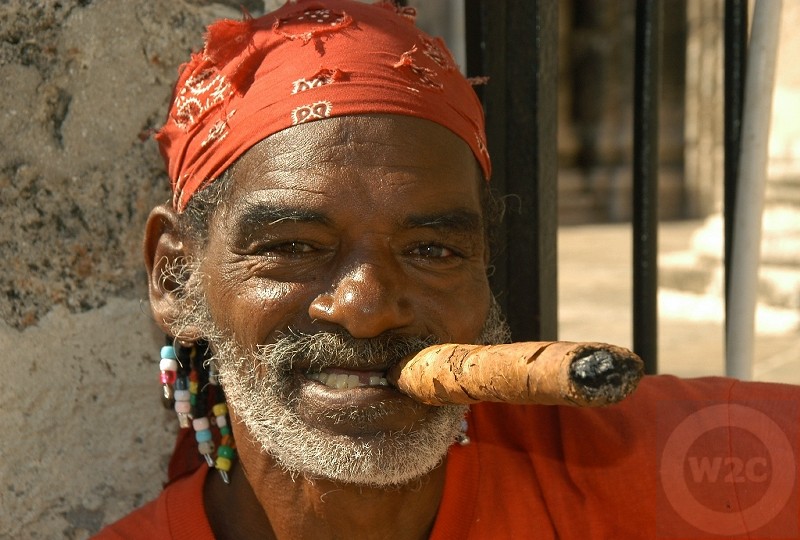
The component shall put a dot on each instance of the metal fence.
(514, 43)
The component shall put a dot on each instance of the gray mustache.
(327, 349)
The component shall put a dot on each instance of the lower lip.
(316, 401)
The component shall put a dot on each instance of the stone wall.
(85, 438)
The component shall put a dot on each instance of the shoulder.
(177, 513)
(614, 462)
(655, 396)
(632, 431)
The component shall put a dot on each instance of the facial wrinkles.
(338, 144)
(261, 388)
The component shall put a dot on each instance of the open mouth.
(348, 378)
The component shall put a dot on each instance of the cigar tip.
(604, 377)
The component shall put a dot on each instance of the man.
(330, 216)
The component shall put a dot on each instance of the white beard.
(263, 400)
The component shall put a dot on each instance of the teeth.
(344, 380)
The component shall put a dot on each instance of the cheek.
(461, 311)
(254, 310)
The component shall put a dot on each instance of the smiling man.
(337, 248)
(331, 215)
(330, 176)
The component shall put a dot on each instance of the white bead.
(183, 407)
(199, 424)
(168, 364)
(205, 447)
(182, 395)
(222, 421)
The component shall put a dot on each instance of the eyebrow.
(465, 221)
(257, 214)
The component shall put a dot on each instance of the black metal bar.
(518, 45)
(734, 76)
(475, 41)
(645, 182)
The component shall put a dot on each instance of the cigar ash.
(603, 377)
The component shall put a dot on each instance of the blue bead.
(181, 384)
(168, 351)
(203, 436)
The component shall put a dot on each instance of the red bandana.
(307, 61)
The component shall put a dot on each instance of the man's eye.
(432, 251)
(291, 248)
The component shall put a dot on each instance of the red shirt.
(564, 472)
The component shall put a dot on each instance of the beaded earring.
(189, 384)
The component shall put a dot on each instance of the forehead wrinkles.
(386, 140)
(392, 153)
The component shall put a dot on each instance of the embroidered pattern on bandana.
(426, 76)
(315, 111)
(301, 85)
(435, 52)
(326, 52)
(218, 131)
(310, 22)
(199, 94)
(481, 145)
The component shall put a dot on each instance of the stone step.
(783, 191)
(685, 271)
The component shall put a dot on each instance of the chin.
(368, 436)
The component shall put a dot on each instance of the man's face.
(362, 227)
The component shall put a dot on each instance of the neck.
(267, 502)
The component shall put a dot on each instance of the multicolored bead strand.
(169, 372)
(205, 442)
(190, 385)
(193, 388)
(182, 406)
(198, 386)
(225, 452)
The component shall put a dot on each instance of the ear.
(164, 246)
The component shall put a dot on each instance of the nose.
(367, 300)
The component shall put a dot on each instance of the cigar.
(584, 374)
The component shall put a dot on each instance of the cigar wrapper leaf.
(585, 374)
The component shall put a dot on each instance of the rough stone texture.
(83, 83)
(85, 438)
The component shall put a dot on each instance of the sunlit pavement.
(595, 305)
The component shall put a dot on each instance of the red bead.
(168, 377)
